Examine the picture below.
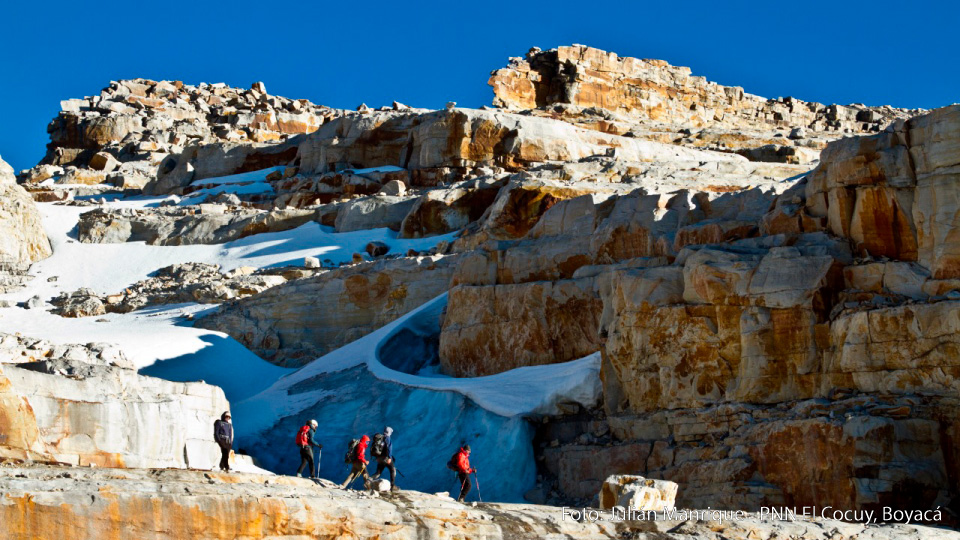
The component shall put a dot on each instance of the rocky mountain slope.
(620, 269)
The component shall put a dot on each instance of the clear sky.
(903, 53)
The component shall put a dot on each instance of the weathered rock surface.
(489, 330)
(178, 283)
(895, 194)
(23, 240)
(43, 502)
(84, 405)
(696, 354)
(301, 320)
(652, 99)
(638, 493)
(7, 175)
(176, 226)
(137, 130)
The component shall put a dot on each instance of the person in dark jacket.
(359, 464)
(385, 459)
(307, 442)
(223, 435)
(463, 471)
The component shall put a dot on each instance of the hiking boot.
(394, 488)
(459, 499)
(299, 475)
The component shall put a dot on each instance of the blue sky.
(341, 54)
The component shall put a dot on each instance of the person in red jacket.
(359, 464)
(463, 471)
(306, 442)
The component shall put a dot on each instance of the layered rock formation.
(719, 359)
(651, 98)
(85, 405)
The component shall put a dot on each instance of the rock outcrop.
(176, 226)
(87, 504)
(178, 283)
(84, 405)
(136, 130)
(652, 99)
(296, 322)
(894, 194)
(22, 238)
(770, 335)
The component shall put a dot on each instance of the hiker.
(382, 449)
(306, 442)
(355, 456)
(223, 435)
(461, 464)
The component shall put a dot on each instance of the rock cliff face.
(722, 357)
(84, 405)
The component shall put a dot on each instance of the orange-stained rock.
(655, 91)
(893, 194)
(90, 504)
(493, 329)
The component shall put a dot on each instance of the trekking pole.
(319, 455)
(477, 479)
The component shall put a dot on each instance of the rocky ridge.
(654, 100)
(123, 135)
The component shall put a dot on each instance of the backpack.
(220, 433)
(302, 439)
(452, 464)
(350, 456)
(379, 445)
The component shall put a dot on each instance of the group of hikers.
(381, 448)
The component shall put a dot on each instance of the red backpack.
(302, 436)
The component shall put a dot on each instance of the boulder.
(377, 249)
(175, 226)
(637, 493)
(373, 213)
(394, 188)
(104, 161)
